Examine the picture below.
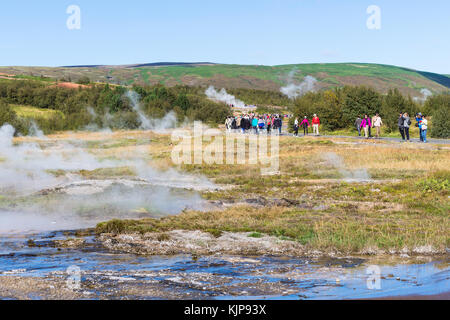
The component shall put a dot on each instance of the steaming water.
(33, 199)
(44, 204)
(104, 275)
(348, 175)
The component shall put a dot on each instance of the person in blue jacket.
(255, 124)
(419, 124)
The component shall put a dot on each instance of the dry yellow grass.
(407, 203)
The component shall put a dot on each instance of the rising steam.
(349, 175)
(293, 90)
(42, 189)
(425, 95)
(223, 96)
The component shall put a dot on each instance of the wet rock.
(71, 243)
(200, 243)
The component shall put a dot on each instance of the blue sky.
(413, 34)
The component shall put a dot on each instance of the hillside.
(381, 77)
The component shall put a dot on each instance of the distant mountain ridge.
(329, 75)
(153, 64)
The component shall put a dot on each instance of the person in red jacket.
(316, 124)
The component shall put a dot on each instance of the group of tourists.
(366, 124)
(422, 124)
(274, 122)
(255, 123)
(306, 124)
(404, 123)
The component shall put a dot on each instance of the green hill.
(380, 77)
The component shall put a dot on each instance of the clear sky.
(413, 33)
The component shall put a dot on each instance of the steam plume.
(223, 96)
(293, 90)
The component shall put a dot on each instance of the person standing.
(261, 124)
(316, 124)
(401, 126)
(419, 125)
(424, 128)
(255, 124)
(406, 125)
(280, 124)
(358, 125)
(227, 124)
(269, 124)
(305, 125)
(365, 124)
(238, 122)
(296, 126)
(370, 122)
(233, 124)
(377, 123)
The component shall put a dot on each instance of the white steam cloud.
(293, 90)
(169, 121)
(223, 96)
(335, 161)
(425, 95)
(46, 175)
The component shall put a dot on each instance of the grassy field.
(329, 75)
(404, 204)
(29, 112)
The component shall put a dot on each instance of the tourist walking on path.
(296, 126)
(269, 124)
(280, 124)
(261, 124)
(365, 125)
(228, 124)
(401, 126)
(316, 124)
(377, 123)
(305, 125)
(406, 125)
(419, 125)
(255, 124)
(358, 125)
(424, 128)
(238, 122)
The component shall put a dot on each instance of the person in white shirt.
(296, 127)
(377, 123)
(424, 128)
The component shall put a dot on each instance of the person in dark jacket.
(358, 125)
(406, 125)
(401, 125)
(296, 127)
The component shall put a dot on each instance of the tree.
(84, 80)
(7, 115)
(439, 107)
(358, 102)
(394, 104)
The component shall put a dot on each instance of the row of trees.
(104, 105)
(340, 107)
(110, 106)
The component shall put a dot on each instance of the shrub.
(439, 108)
